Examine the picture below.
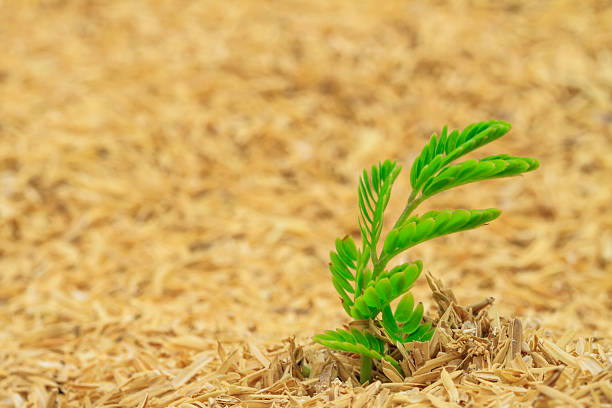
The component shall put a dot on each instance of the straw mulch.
(173, 174)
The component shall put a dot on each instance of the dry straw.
(172, 175)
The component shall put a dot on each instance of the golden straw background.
(173, 175)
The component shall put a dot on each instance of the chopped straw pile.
(173, 175)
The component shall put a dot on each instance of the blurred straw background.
(173, 175)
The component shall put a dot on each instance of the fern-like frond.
(384, 289)
(433, 224)
(441, 151)
(356, 341)
(374, 192)
(343, 263)
(476, 170)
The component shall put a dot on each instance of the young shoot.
(363, 277)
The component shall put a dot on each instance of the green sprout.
(361, 276)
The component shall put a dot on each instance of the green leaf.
(344, 335)
(354, 341)
(368, 276)
(365, 255)
(423, 229)
(412, 324)
(403, 311)
(350, 249)
(477, 170)
(341, 291)
(398, 284)
(346, 307)
(457, 219)
(427, 336)
(357, 315)
(413, 271)
(340, 267)
(442, 218)
(441, 151)
(375, 179)
(436, 223)
(390, 325)
(347, 258)
(403, 276)
(371, 298)
(373, 195)
(406, 233)
(420, 333)
(387, 287)
(384, 290)
(391, 239)
(362, 307)
(344, 283)
(361, 277)
(360, 337)
(375, 343)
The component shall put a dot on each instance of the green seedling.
(362, 276)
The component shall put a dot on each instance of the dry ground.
(173, 174)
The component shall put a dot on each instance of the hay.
(173, 174)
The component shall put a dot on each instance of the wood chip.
(449, 386)
(173, 175)
(437, 362)
(258, 354)
(557, 395)
(390, 371)
(559, 354)
(192, 369)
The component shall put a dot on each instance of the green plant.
(360, 276)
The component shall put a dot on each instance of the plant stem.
(412, 203)
(379, 266)
(374, 256)
(365, 374)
